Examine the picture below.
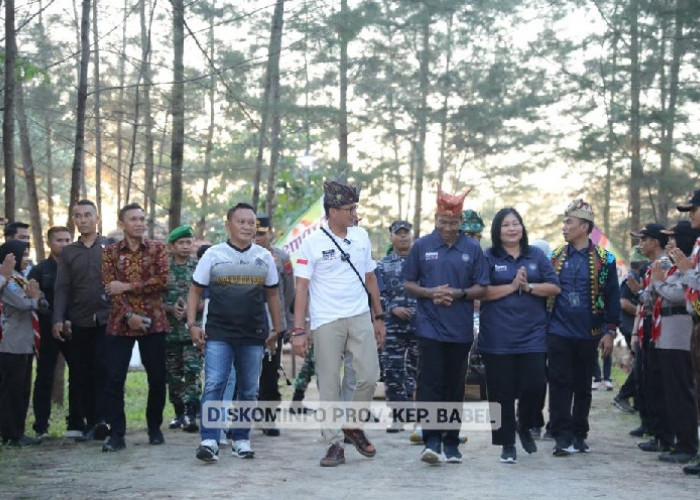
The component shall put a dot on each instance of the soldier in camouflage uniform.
(400, 353)
(183, 361)
(473, 225)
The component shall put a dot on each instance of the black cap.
(694, 201)
(681, 227)
(262, 223)
(652, 230)
(399, 224)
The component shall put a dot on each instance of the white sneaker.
(608, 385)
(208, 451)
(595, 386)
(242, 449)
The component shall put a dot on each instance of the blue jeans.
(220, 359)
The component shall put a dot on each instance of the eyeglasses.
(348, 209)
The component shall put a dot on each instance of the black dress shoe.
(156, 437)
(693, 470)
(100, 431)
(189, 423)
(638, 432)
(175, 423)
(114, 444)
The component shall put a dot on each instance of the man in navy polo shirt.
(446, 271)
(583, 317)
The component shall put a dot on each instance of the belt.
(673, 311)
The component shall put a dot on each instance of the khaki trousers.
(350, 340)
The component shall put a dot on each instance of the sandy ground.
(288, 467)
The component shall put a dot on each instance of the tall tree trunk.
(204, 204)
(120, 113)
(48, 127)
(78, 67)
(29, 175)
(178, 112)
(343, 166)
(149, 195)
(636, 173)
(445, 102)
(670, 113)
(8, 116)
(79, 152)
(274, 66)
(262, 136)
(424, 63)
(611, 141)
(97, 110)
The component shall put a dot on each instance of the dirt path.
(287, 467)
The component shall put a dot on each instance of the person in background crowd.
(400, 353)
(583, 318)
(689, 267)
(242, 273)
(628, 307)
(513, 329)
(17, 231)
(269, 376)
(135, 275)
(45, 274)
(472, 224)
(183, 361)
(671, 330)
(17, 346)
(652, 241)
(336, 280)
(80, 314)
(446, 271)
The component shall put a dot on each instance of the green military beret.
(180, 232)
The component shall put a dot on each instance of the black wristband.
(379, 316)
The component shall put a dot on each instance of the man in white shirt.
(335, 271)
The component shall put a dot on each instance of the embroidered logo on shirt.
(431, 255)
(533, 266)
(465, 257)
(259, 262)
(499, 269)
(328, 254)
(302, 262)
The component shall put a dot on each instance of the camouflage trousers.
(400, 362)
(308, 369)
(183, 366)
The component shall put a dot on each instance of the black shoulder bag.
(345, 257)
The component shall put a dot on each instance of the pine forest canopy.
(189, 107)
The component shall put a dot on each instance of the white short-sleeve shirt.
(335, 290)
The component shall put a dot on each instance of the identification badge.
(574, 299)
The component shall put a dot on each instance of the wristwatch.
(530, 288)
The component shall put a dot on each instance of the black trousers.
(117, 355)
(510, 377)
(655, 395)
(87, 371)
(442, 371)
(270, 375)
(679, 389)
(43, 384)
(15, 386)
(570, 369)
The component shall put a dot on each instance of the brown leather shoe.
(334, 456)
(362, 444)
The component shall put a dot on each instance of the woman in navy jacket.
(513, 329)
